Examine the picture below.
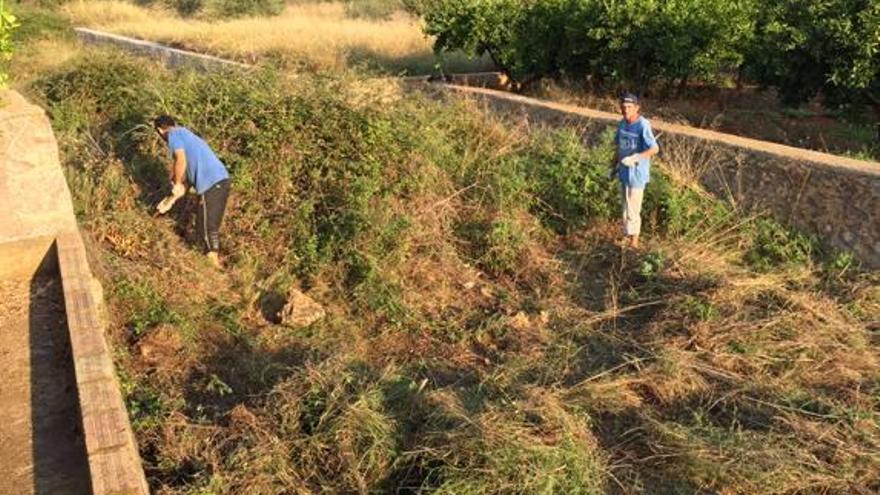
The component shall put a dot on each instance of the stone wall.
(833, 197)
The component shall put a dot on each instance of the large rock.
(300, 310)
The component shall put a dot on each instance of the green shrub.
(186, 7)
(571, 181)
(8, 24)
(224, 8)
(240, 8)
(774, 245)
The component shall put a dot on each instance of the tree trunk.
(740, 77)
(682, 87)
(875, 104)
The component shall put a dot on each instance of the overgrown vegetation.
(8, 23)
(806, 74)
(484, 334)
(800, 48)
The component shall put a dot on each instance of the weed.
(774, 245)
(149, 309)
(436, 236)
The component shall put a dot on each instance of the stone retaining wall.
(833, 197)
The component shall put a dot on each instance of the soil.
(42, 450)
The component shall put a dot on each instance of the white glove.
(165, 205)
(177, 192)
(631, 160)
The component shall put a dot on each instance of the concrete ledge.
(112, 450)
(39, 235)
(172, 57)
(25, 257)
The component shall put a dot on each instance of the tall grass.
(484, 334)
(317, 35)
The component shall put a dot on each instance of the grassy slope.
(484, 334)
(315, 35)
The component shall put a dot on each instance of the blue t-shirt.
(634, 138)
(203, 168)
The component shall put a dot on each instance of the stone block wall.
(833, 197)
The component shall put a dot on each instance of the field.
(315, 36)
(485, 334)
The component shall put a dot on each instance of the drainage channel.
(42, 448)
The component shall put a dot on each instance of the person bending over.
(192, 160)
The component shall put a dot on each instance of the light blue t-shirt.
(634, 138)
(203, 168)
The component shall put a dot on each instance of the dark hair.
(164, 122)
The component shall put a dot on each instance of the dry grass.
(572, 372)
(317, 35)
(40, 57)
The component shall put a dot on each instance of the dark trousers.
(212, 206)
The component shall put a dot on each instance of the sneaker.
(214, 258)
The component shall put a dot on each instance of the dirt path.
(41, 443)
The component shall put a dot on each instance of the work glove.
(631, 160)
(177, 192)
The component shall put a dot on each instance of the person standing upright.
(636, 145)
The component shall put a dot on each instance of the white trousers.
(632, 209)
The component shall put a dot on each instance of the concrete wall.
(834, 197)
(37, 224)
(171, 57)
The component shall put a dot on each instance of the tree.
(828, 47)
(8, 23)
(627, 41)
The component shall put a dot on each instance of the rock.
(300, 310)
(160, 344)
